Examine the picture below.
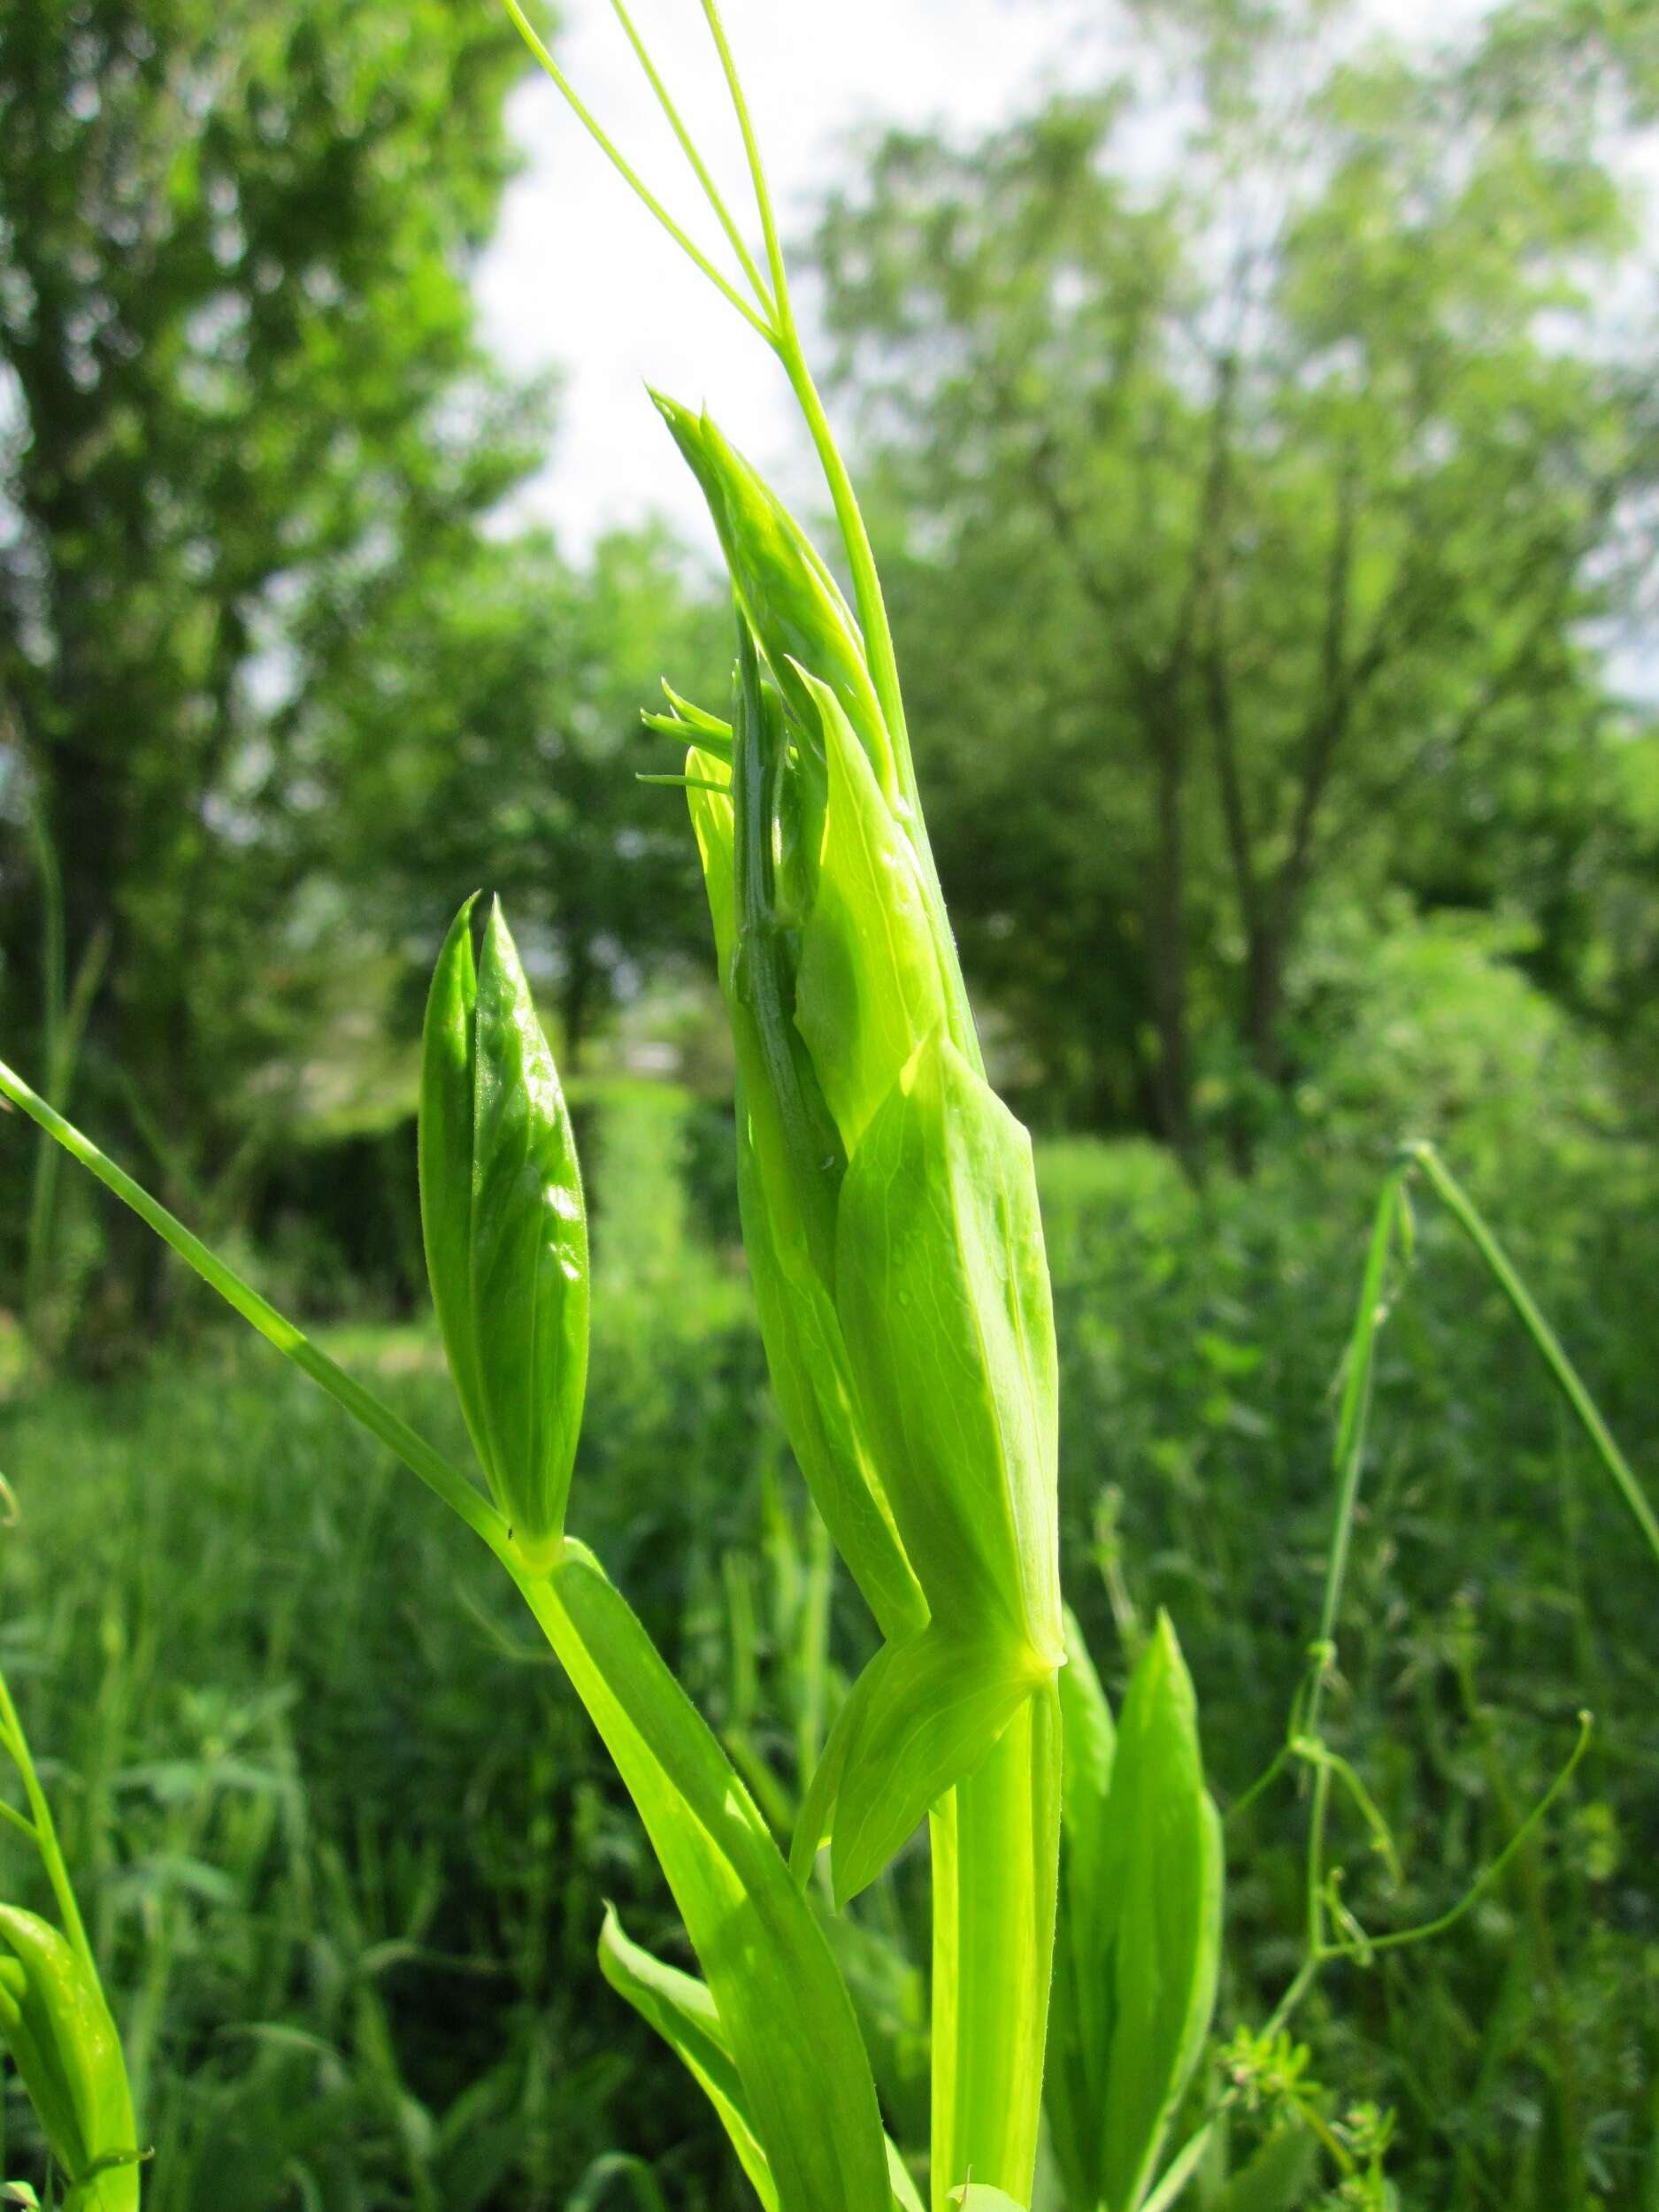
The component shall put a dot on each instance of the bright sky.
(580, 279)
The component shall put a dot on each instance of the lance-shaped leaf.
(920, 1718)
(505, 1228)
(792, 601)
(60, 2035)
(868, 989)
(943, 1295)
(806, 1360)
(1151, 1856)
(784, 2010)
(683, 2013)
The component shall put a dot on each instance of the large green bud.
(888, 1202)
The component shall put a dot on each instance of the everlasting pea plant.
(890, 1215)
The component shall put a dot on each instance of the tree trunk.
(1166, 930)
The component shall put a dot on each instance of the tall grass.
(344, 1859)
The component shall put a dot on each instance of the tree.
(488, 734)
(241, 379)
(1258, 506)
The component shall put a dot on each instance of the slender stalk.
(435, 1470)
(996, 1869)
(751, 149)
(54, 963)
(1398, 1939)
(1544, 1338)
(630, 176)
(700, 169)
(1350, 1456)
(42, 1829)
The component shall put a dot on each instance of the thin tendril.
(1400, 1936)
(756, 169)
(689, 783)
(687, 146)
(630, 175)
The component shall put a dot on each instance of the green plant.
(889, 1209)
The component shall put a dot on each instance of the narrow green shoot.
(1545, 1342)
(447, 1482)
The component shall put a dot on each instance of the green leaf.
(791, 600)
(58, 2029)
(784, 2010)
(1278, 2176)
(927, 1712)
(807, 1359)
(529, 1255)
(978, 2196)
(683, 2013)
(1160, 1932)
(868, 989)
(943, 1295)
(906, 2196)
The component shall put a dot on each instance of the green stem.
(995, 1862)
(1349, 1457)
(45, 1833)
(1398, 1939)
(435, 1470)
(751, 153)
(1544, 1338)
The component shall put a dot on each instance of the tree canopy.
(1263, 505)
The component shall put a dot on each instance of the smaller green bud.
(57, 2028)
(505, 1229)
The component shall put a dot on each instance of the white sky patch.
(580, 279)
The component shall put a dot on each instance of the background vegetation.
(1265, 446)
